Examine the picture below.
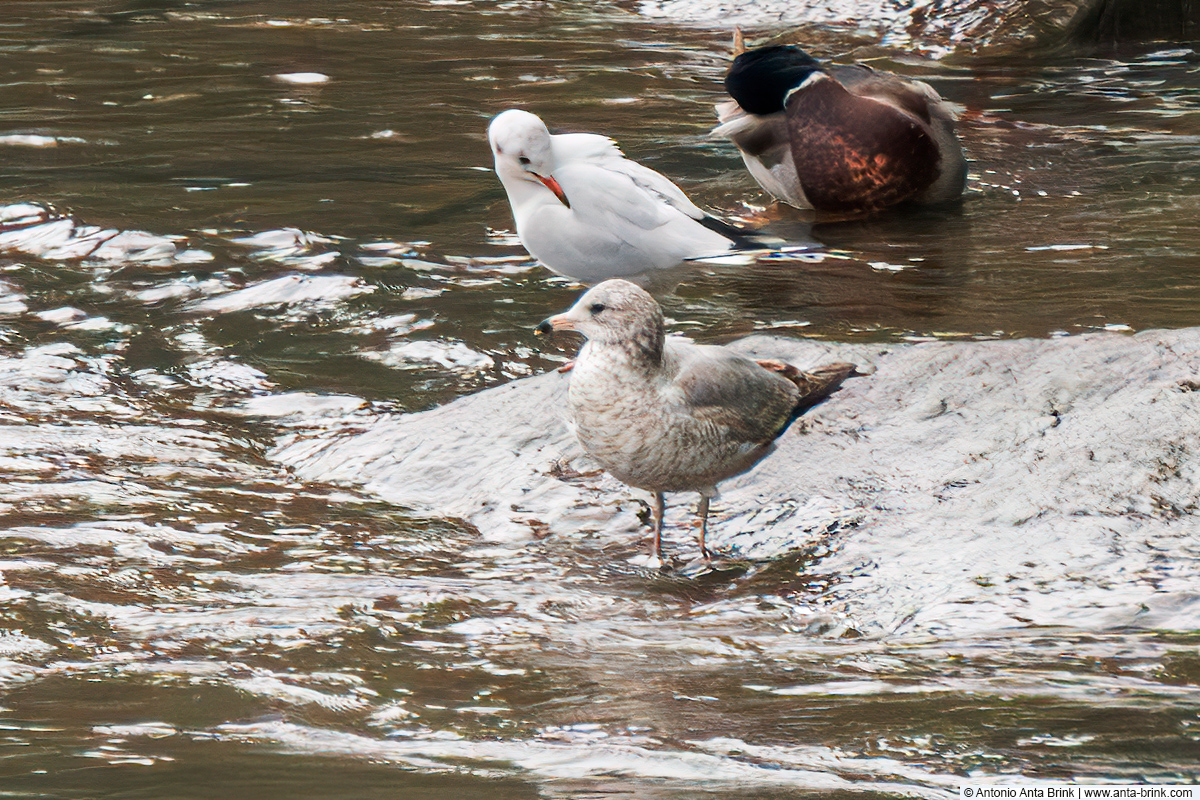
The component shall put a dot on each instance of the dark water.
(180, 617)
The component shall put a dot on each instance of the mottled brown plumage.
(668, 415)
(855, 153)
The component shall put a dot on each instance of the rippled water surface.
(202, 249)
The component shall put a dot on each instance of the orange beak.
(553, 186)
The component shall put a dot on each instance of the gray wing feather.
(730, 390)
(602, 152)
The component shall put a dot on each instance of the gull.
(587, 212)
(665, 414)
(841, 139)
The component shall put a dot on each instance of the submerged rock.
(956, 480)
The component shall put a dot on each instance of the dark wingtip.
(817, 384)
(760, 79)
(740, 238)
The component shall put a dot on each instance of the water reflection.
(180, 610)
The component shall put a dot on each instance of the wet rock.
(947, 489)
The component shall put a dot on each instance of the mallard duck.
(665, 414)
(587, 212)
(840, 139)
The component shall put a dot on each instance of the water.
(183, 617)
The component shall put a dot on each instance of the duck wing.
(853, 152)
(922, 103)
(914, 97)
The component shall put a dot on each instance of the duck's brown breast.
(853, 153)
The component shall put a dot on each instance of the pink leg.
(660, 509)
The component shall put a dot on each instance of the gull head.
(615, 312)
(521, 147)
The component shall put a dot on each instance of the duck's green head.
(760, 79)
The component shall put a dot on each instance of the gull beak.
(559, 322)
(553, 186)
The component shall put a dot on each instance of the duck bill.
(553, 186)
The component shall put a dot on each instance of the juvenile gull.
(840, 138)
(587, 212)
(668, 415)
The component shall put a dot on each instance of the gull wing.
(610, 199)
(600, 151)
(658, 185)
(723, 388)
(568, 147)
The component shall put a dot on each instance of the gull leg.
(703, 511)
(660, 508)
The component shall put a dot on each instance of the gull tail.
(816, 385)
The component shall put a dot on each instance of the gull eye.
(523, 160)
(596, 308)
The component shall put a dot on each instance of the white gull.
(587, 212)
